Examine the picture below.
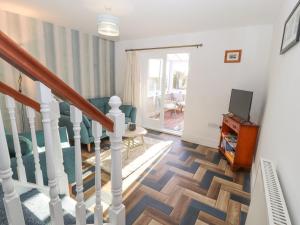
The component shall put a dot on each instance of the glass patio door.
(152, 69)
(164, 79)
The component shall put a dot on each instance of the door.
(152, 71)
(164, 79)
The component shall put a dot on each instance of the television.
(240, 103)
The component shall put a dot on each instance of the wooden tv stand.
(241, 151)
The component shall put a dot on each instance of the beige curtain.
(132, 86)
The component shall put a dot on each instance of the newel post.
(45, 99)
(117, 209)
(12, 201)
(62, 178)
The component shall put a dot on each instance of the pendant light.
(108, 25)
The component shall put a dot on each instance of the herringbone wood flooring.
(190, 185)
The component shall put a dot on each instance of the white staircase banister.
(19, 97)
(48, 83)
(11, 105)
(117, 209)
(12, 201)
(98, 211)
(18, 57)
(45, 99)
(62, 177)
(38, 172)
(76, 119)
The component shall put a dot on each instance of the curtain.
(132, 86)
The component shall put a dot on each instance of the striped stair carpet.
(35, 207)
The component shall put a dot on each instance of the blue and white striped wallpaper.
(83, 61)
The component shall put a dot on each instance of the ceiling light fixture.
(108, 25)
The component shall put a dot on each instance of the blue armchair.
(86, 126)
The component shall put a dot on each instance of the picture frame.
(291, 31)
(233, 56)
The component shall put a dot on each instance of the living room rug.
(138, 156)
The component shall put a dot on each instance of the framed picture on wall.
(233, 56)
(291, 30)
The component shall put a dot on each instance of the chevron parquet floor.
(190, 185)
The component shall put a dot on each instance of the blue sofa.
(86, 125)
(28, 159)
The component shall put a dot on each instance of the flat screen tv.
(240, 103)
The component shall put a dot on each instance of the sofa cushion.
(100, 103)
(28, 161)
(86, 121)
(40, 136)
(107, 108)
(64, 108)
(126, 109)
(25, 143)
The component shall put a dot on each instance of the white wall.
(210, 80)
(279, 138)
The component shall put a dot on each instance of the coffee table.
(130, 137)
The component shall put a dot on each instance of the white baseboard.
(212, 143)
(202, 141)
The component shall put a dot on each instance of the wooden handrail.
(11, 52)
(7, 90)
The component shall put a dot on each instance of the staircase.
(33, 205)
(36, 211)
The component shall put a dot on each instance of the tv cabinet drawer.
(232, 124)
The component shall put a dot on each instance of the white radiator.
(267, 205)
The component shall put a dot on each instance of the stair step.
(35, 206)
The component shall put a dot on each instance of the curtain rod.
(166, 47)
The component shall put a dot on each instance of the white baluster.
(98, 211)
(117, 209)
(45, 99)
(76, 118)
(38, 172)
(62, 178)
(10, 104)
(12, 201)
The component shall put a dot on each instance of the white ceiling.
(148, 18)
